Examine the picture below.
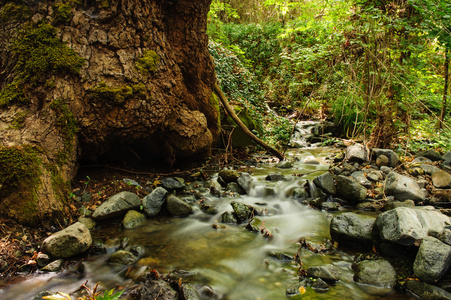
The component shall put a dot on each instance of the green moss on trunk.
(20, 174)
(39, 54)
(148, 63)
(67, 125)
(14, 12)
(116, 95)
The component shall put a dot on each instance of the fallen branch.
(237, 120)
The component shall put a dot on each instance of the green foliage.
(219, 13)
(258, 44)
(279, 131)
(245, 93)
(375, 67)
(108, 295)
(425, 136)
(148, 63)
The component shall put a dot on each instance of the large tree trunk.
(146, 84)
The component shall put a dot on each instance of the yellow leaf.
(302, 290)
(58, 296)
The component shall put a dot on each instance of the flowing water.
(231, 259)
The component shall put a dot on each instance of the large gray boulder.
(378, 274)
(117, 205)
(427, 291)
(68, 242)
(441, 180)
(350, 189)
(177, 207)
(403, 188)
(393, 159)
(153, 202)
(405, 225)
(357, 153)
(326, 182)
(352, 229)
(432, 261)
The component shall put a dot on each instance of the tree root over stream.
(229, 109)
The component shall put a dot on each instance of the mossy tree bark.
(79, 81)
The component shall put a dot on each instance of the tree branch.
(237, 120)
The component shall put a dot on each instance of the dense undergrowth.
(377, 69)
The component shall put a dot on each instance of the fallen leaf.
(302, 290)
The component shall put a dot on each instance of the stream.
(235, 262)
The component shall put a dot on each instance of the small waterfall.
(302, 131)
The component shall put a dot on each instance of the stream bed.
(234, 261)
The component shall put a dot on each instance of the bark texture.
(146, 82)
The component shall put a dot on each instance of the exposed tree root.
(237, 120)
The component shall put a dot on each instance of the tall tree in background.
(437, 16)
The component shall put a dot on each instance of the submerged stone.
(377, 273)
(133, 219)
(177, 207)
(326, 272)
(326, 182)
(122, 257)
(427, 291)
